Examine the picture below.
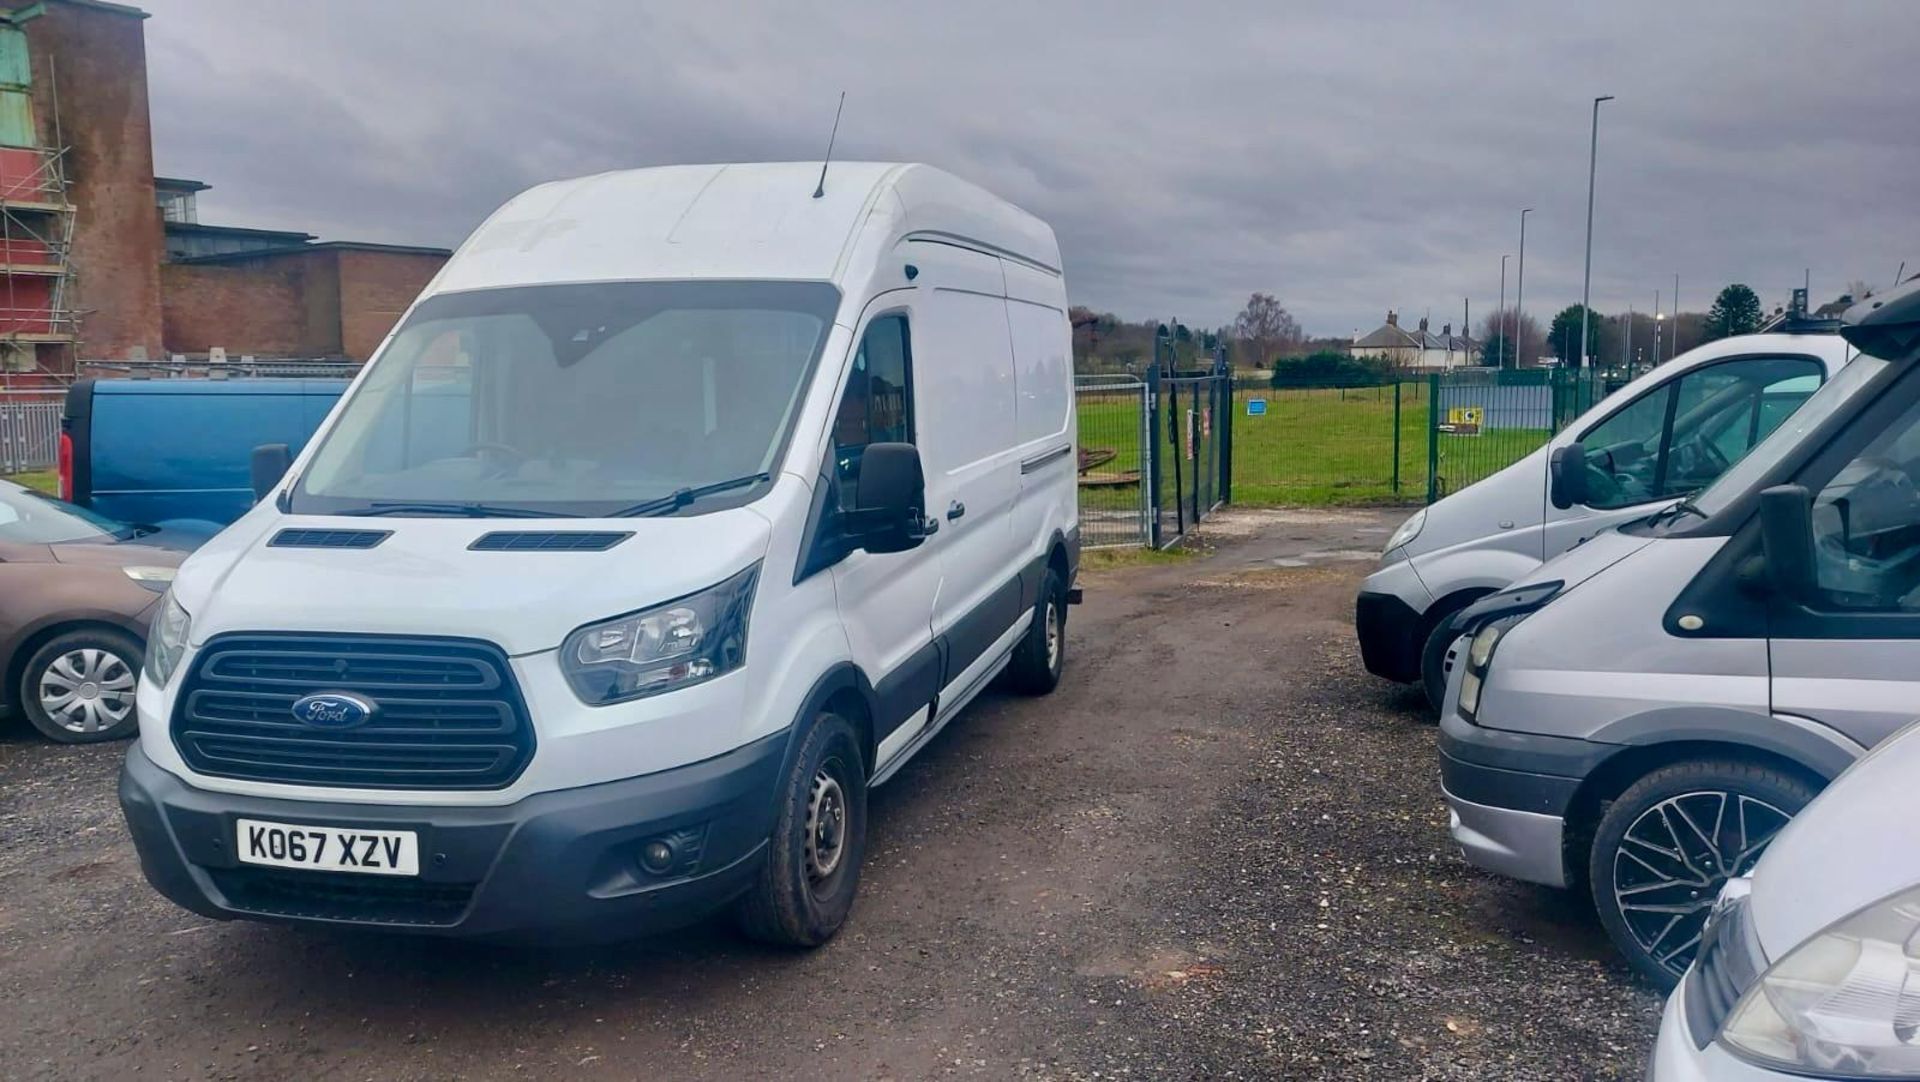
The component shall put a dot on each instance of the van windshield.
(579, 399)
(1825, 402)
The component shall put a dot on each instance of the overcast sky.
(1346, 156)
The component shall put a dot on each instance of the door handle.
(955, 510)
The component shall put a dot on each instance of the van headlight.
(167, 640)
(1408, 530)
(1479, 659)
(675, 645)
(1488, 621)
(1843, 1004)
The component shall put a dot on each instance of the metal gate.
(1192, 417)
(1114, 449)
(29, 432)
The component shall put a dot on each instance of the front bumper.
(1390, 636)
(558, 865)
(1677, 1058)
(1509, 794)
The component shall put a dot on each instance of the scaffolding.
(38, 323)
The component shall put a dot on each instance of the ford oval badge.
(333, 710)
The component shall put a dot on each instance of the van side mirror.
(1786, 539)
(1567, 476)
(890, 500)
(270, 463)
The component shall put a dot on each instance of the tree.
(1735, 311)
(1502, 325)
(1266, 327)
(1494, 348)
(1331, 368)
(1563, 336)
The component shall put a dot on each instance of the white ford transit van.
(683, 507)
(1666, 435)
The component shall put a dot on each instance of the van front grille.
(446, 713)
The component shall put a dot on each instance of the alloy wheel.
(1674, 859)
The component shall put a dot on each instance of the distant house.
(1419, 348)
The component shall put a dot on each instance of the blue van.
(177, 453)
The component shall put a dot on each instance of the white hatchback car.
(1811, 967)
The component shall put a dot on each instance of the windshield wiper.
(465, 510)
(675, 500)
(1684, 507)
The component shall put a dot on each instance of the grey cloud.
(1347, 156)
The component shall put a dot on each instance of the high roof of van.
(742, 221)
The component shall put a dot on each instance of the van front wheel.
(1668, 844)
(805, 889)
(1041, 654)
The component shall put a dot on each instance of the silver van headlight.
(167, 640)
(1478, 660)
(1408, 530)
(1845, 1003)
(675, 645)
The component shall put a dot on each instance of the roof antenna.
(821, 188)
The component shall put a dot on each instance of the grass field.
(1312, 447)
(44, 480)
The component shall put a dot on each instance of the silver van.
(1642, 715)
(1666, 435)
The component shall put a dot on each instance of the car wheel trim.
(87, 690)
(1054, 635)
(1673, 860)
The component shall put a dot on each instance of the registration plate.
(327, 849)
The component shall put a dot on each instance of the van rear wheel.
(1041, 655)
(806, 886)
(1668, 844)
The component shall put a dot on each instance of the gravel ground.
(1217, 851)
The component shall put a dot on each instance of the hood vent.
(328, 539)
(549, 541)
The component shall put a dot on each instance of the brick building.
(102, 261)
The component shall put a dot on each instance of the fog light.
(656, 856)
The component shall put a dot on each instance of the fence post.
(1150, 447)
(1224, 418)
(1433, 437)
(1396, 435)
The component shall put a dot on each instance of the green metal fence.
(1323, 443)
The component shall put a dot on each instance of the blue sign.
(1256, 407)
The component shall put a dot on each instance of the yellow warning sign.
(1465, 420)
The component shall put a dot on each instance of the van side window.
(1681, 437)
(1623, 452)
(1866, 525)
(878, 404)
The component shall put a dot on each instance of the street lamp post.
(1520, 295)
(1659, 327)
(1586, 283)
(1500, 313)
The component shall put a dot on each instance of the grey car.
(1640, 716)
